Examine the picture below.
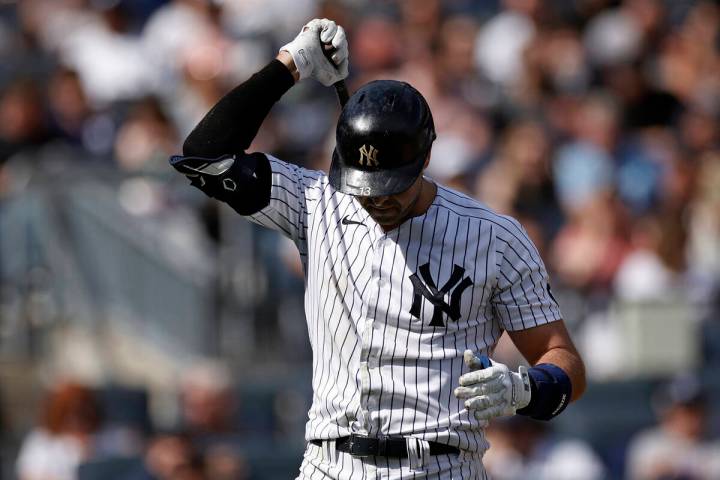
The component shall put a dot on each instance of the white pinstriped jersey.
(390, 314)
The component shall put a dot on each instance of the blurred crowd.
(107, 433)
(594, 122)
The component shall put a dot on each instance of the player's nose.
(378, 201)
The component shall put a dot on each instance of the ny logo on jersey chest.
(430, 292)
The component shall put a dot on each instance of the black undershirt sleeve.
(230, 126)
(214, 157)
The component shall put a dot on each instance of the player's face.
(391, 210)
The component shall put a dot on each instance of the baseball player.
(409, 284)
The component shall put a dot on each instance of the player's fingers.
(488, 413)
(338, 38)
(340, 56)
(329, 29)
(470, 360)
(480, 376)
(480, 402)
(314, 24)
(467, 392)
(494, 386)
(485, 401)
(474, 362)
(343, 68)
(497, 398)
(342, 50)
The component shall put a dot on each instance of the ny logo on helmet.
(437, 297)
(368, 156)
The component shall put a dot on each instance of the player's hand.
(493, 391)
(307, 51)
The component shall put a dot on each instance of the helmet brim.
(372, 183)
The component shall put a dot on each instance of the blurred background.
(148, 333)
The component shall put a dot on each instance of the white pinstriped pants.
(317, 466)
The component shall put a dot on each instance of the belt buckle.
(360, 446)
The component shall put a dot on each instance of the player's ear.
(427, 159)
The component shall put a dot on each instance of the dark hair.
(70, 406)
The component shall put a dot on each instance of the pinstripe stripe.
(377, 367)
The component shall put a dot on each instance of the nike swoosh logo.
(347, 221)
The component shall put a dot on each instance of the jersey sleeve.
(293, 191)
(522, 298)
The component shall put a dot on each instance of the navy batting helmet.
(383, 136)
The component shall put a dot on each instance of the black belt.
(396, 447)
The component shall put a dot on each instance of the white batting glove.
(307, 52)
(494, 391)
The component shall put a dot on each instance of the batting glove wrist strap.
(551, 391)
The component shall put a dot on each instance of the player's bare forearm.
(571, 363)
(551, 343)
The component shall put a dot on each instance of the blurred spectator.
(698, 131)
(501, 41)
(458, 161)
(518, 180)
(618, 35)
(522, 448)
(555, 63)
(590, 247)
(170, 456)
(72, 117)
(208, 408)
(225, 462)
(83, 37)
(642, 275)
(279, 19)
(454, 54)
(207, 399)
(584, 166)
(688, 63)
(146, 138)
(678, 448)
(704, 222)
(143, 144)
(376, 45)
(464, 138)
(177, 29)
(419, 25)
(646, 161)
(21, 118)
(64, 437)
(126, 422)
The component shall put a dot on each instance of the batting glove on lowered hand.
(494, 391)
(307, 51)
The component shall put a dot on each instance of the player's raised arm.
(231, 125)
(214, 154)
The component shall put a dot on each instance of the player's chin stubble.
(393, 212)
(385, 216)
